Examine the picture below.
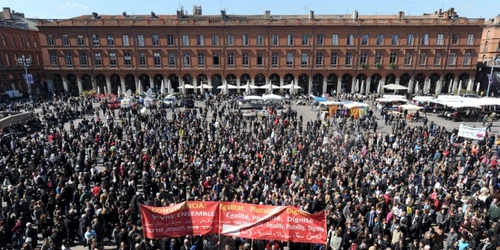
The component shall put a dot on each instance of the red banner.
(187, 218)
(244, 220)
(271, 223)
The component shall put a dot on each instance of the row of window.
(7, 59)
(245, 59)
(19, 41)
(245, 40)
(485, 48)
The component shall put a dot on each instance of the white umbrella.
(139, 89)
(362, 88)
(272, 97)
(478, 88)
(450, 86)
(417, 87)
(454, 87)
(247, 88)
(269, 87)
(368, 83)
(119, 92)
(98, 91)
(204, 86)
(426, 86)
(353, 86)
(356, 87)
(470, 85)
(105, 91)
(393, 86)
(226, 87)
(169, 87)
(459, 87)
(162, 87)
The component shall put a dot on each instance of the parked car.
(187, 103)
(171, 101)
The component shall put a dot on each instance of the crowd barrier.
(259, 222)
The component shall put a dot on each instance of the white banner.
(472, 133)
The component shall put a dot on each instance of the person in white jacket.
(334, 241)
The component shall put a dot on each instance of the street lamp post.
(26, 62)
(494, 62)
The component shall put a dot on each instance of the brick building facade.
(322, 53)
(18, 37)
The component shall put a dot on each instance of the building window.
(440, 40)
(201, 59)
(155, 40)
(289, 59)
(348, 58)
(393, 58)
(20, 42)
(5, 44)
(485, 48)
(142, 59)
(97, 59)
(230, 40)
(363, 58)
(230, 59)
(350, 40)
(95, 40)
(127, 59)
(395, 39)
(125, 40)
(304, 59)
(140, 40)
(112, 59)
(260, 59)
(35, 43)
(380, 39)
(12, 41)
(65, 40)
(422, 60)
(452, 60)
(470, 39)
(467, 58)
(185, 40)
(53, 59)
(334, 59)
(274, 59)
(68, 59)
(319, 58)
(275, 40)
(260, 40)
(83, 59)
(454, 39)
(437, 59)
(364, 39)
(50, 40)
(409, 39)
(305, 40)
(111, 40)
(170, 40)
(199, 40)
(156, 59)
(319, 40)
(335, 39)
(215, 40)
(80, 41)
(28, 42)
(289, 40)
(244, 40)
(378, 58)
(408, 56)
(171, 59)
(425, 39)
(244, 59)
(186, 59)
(215, 59)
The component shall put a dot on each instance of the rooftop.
(16, 20)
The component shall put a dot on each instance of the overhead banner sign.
(283, 223)
(471, 133)
(187, 218)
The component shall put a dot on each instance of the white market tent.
(393, 86)
(351, 105)
(272, 97)
(410, 107)
(252, 97)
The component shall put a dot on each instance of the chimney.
(197, 10)
(311, 14)
(153, 14)
(223, 14)
(124, 14)
(180, 14)
(6, 13)
(268, 14)
(440, 12)
(401, 15)
(355, 16)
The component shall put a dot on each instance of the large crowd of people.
(413, 187)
